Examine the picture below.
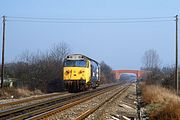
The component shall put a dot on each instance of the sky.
(120, 45)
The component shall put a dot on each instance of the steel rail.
(24, 109)
(29, 100)
(60, 109)
(91, 111)
(10, 111)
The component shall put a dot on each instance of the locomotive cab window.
(75, 63)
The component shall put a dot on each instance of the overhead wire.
(45, 18)
(88, 20)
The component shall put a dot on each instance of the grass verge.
(160, 103)
(6, 93)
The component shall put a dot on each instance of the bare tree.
(37, 70)
(59, 51)
(151, 60)
(107, 76)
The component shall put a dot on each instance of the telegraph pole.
(177, 79)
(3, 45)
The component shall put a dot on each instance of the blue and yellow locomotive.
(80, 73)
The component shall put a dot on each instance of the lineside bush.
(161, 103)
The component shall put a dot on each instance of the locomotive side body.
(80, 73)
(95, 74)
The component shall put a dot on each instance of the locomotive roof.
(83, 56)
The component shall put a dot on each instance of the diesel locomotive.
(80, 73)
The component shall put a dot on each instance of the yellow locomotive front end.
(76, 73)
(79, 71)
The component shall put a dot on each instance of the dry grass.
(17, 93)
(161, 103)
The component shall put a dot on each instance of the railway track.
(24, 112)
(91, 111)
(28, 100)
(85, 114)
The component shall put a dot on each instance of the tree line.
(44, 70)
(157, 74)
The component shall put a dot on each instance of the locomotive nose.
(81, 71)
(68, 71)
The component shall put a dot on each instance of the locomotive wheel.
(94, 87)
(70, 88)
(75, 86)
(82, 87)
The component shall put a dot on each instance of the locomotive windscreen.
(75, 63)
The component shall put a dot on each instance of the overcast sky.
(121, 45)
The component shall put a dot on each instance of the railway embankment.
(160, 103)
